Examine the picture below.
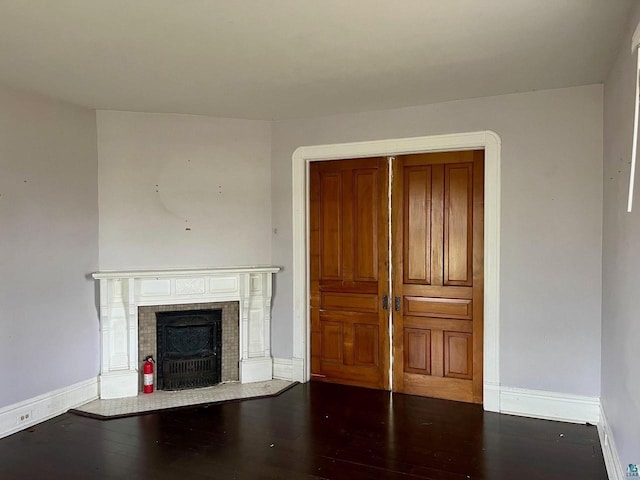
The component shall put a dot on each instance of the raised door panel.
(353, 302)
(332, 342)
(366, 345)
(330, 223)
(458, 355)
(438, 307)
(417, 220)
(458, 224)
(365, 231)
(417, 352)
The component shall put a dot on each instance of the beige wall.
(183, 191)
(621, 259)
(551, 222)
(48, 245)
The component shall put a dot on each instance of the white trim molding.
(487, 140)
(564, 407)
(283, 369)
(27, 413)
(298, 370)
(615, 470)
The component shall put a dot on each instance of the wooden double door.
(397, 273)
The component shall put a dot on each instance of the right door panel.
(437, 227)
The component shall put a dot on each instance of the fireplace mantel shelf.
(183, 272)
(122, 292)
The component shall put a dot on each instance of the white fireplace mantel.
(122, 292)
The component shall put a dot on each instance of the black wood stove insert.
(189, 349)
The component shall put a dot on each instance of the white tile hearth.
(160, 400)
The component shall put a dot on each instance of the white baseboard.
(564, 407)
(491, 397)
(609, 451)
(27, 413)
(283, 368)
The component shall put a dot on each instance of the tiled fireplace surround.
(130, 299)
(147, 334)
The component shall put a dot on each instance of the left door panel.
(349, 255)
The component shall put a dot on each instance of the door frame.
(487, 140)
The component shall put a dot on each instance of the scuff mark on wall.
(189, 190)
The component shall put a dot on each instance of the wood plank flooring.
(312, 431)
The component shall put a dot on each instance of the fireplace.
(189, 348)
(149, 335)
(128, 330)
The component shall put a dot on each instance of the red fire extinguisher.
(147, 371)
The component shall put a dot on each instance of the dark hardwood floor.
(311, 431)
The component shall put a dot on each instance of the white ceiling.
(295, 58)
